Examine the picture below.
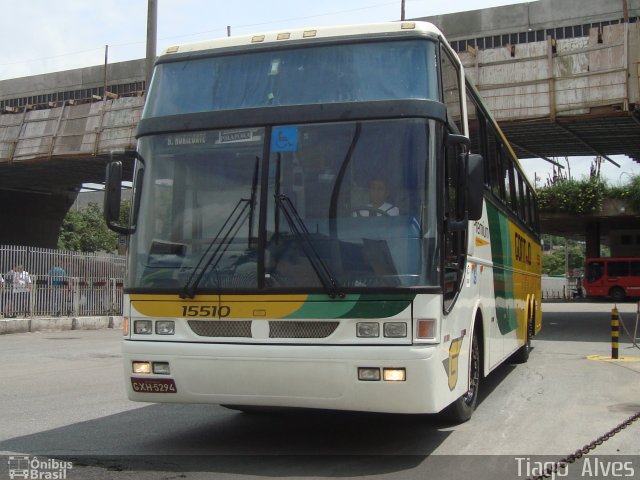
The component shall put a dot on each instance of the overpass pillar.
(33, 219)
(592, 236)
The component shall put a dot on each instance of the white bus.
(310, 228)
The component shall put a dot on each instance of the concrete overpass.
(561, 77)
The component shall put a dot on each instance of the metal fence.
(59, 282)
(562, 288)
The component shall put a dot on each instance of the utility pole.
(152, 35)
(402, 10)
(106, 62)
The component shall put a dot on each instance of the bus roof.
(304, 34)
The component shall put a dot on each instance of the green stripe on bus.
(353, 306)
(502, 269)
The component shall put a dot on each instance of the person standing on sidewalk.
(57, 281)
(20, 291)
(1, 296)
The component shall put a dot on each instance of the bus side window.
(451, 89)
(493, 165)
(522, 209)
(594, 271)
(477, 127)
(618, 268)
(455, 240)
(509, 184)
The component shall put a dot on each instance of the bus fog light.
(368, 329)
(141, 367)
(161, 368)
(394, 375)
(426, 328)
(368, 374)
(395, 329)
(165, 327)
(143, 327)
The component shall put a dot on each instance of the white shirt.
(385, 207)
(20, 281)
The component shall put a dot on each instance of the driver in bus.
(378, 204)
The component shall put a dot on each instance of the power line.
(216, 30)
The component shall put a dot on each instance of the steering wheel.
(373, 211)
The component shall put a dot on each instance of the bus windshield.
(312, 75)
(350, 202)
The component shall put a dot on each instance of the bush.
(572, 196)
(630, 193)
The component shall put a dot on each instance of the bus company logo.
(237, 136)
(23, 466)
(482, 234)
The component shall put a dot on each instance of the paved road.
(63, 396)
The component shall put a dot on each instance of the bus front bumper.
(306, 376)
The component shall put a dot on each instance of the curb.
(57, 324)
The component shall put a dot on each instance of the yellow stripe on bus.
(216, 306)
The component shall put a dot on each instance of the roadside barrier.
(59, 283)
(615, 332)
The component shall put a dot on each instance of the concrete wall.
(88, 129)
(529, 82)
(540, 14)
(625, 243)
(67, 80)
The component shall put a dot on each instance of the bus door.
(594, 279)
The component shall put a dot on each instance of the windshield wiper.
(301, 233)
(226, 234)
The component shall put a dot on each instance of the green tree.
(555, 260)
(85, 230)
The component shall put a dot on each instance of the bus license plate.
(154, 385)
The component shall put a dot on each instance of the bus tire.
(617, 294)
(522, 354)
(461, 410)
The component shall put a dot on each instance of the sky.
(41, 36)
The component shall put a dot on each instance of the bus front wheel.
(461, 410)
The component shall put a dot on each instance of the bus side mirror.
(475, 186)
(112, 198)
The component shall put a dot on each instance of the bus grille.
(209, 328)
(278, 329)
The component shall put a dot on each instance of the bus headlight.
(368, 329)
(143, 327)
(395, 329)
(165, 327)
(141, 367)
(394, 374)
